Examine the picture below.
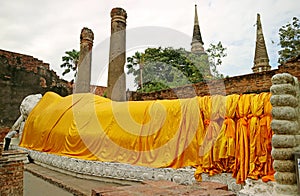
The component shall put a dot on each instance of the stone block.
(284, 165)
(282, 153)
(284, 113)
(283, 89)
(283, 78)
(283, 141)
(285, 127)
(287, 178)
(284, 100)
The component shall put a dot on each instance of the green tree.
(216, 52)
(289, 40)
(70, 62)
(162, 68)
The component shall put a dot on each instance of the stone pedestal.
(285, 124)
(83, 79)
(116, 85)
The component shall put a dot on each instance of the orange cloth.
(224, 149)
(266, 139)
(241, 167)
(256, 108)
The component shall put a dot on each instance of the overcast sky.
(46, 29)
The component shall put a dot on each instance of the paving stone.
(99, 191)
(212, 193)
(165, 188)
(220, 193)
(212, 185)
(147, 188)
(160, 183)
(118, 193)
(199, 193)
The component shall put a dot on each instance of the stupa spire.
(261, 59)
(197, 43)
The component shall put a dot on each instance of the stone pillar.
(285, 124)
(83, 79)
(116, 85)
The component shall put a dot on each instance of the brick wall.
(292, 67)
(24, 61)
(22, 75)
(11, 181)
(250, 83)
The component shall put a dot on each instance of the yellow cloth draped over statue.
(214, 134)
(149, 133)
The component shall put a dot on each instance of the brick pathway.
(76, 186)
(79, 186)
(164, 188)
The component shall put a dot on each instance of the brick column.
(11, 168)
(12, 173)
(83, 79)
(3, 132)
(116, 85)
(285, 124)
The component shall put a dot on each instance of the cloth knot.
(230, 127)
(244, 121)
(206, 122)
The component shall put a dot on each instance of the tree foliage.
(216, 53)
(70, 62)
(289, 40)
(160, 68)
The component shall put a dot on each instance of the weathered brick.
(11, 181)
(21, 75)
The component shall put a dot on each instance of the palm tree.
(70, 62)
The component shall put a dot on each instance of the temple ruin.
(282, 83)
